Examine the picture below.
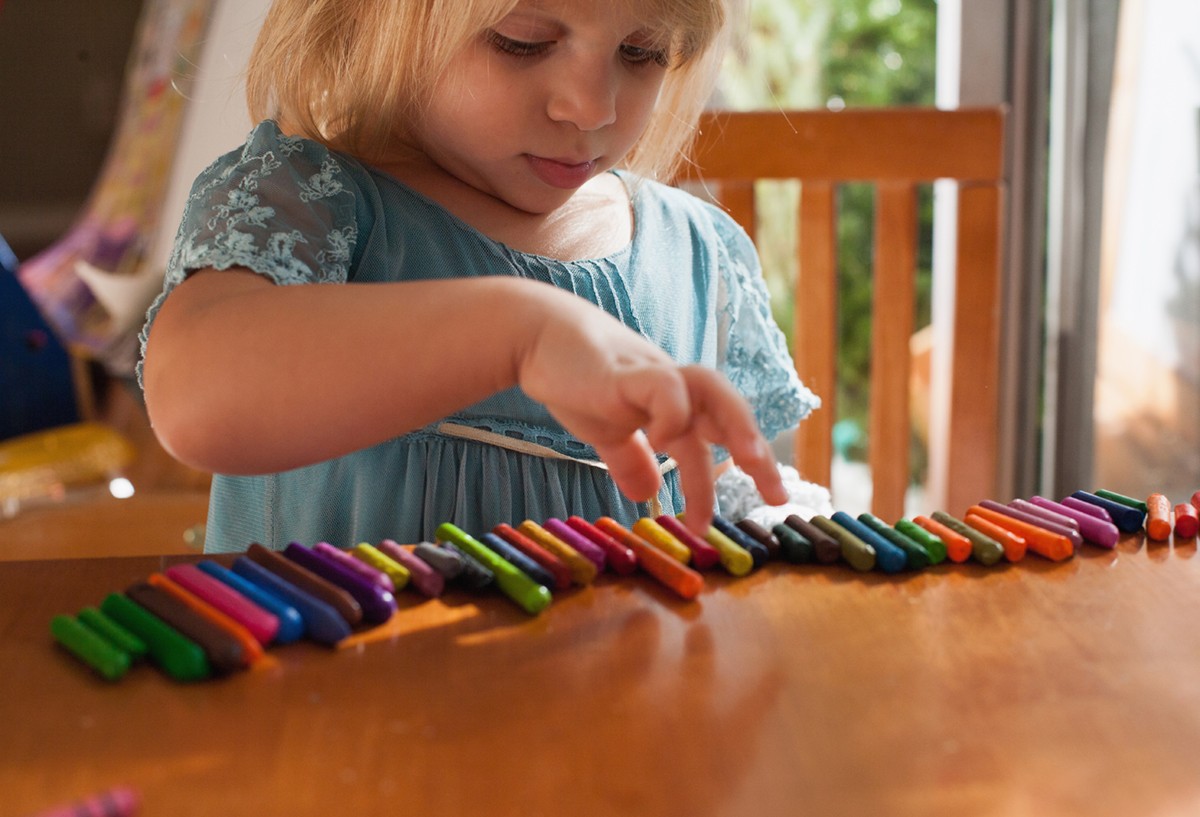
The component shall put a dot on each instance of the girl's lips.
(564, 175)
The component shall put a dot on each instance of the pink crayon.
(116, 802)
(427, 580)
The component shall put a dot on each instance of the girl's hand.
(620, 393)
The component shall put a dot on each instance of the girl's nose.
(585, 97)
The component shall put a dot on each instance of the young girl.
(439, 284)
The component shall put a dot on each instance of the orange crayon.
(668, 571)
(1158, 517)
(958, 547)
(1014, 544)
(1044, 542)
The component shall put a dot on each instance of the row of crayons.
(198, 620)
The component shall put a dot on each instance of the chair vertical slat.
(974, 398)
(737, 197)
(894, 298)
(815, 337)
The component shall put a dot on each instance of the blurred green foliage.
(836, 53)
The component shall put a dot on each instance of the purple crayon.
(357, 565)
(1086, 507)
(1045, 513)
(1092, 528)
(586, 547)
(378, 605)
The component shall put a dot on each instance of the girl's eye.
(641, 55)
(518, 48)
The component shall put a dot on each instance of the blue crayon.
(322, 623)
(518, 559)
(757, 550)
(1125, 517)
(291, 624)
(888, 557)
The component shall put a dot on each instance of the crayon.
(317, 586)
(1122, 499)
(736, 560)
(958, 547)
(120, 801)
(518, 559)
(1014, 544)
(1196, 500)
(177, 655)
(363, 569)
(704, 555)
(1187, 520)
(475, 574)
(761, 535)
(291, 624)
(857, 553)
(916, 556)
(228, 601)
(986, 550)
(582, 545)
(322, 623)
(106, 658)
(826, 549)
(377, 605)
(520, 589)
(1071, 534)
(423, 578)
(224, 652)
(583, 570)
(376, 558)
(1077, 504)
(621, 560)
(1128, 519)
(553, 565)
(1040, 540)
(758, 552)
(793, 545)
(888, 557)
(662, 539)
(1093, 529)
(933, 544)
(1158, 517)
(251, 649)
(449, 563)
(670, 572)
(111, 631)
(1048, 514)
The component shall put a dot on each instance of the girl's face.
(551, 96)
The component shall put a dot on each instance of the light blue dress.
(299, 214)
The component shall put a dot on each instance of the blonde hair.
(351, 73)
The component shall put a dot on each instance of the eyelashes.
(633, 54)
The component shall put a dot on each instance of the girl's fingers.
(721, 416)
(633, 466)
(694, 458)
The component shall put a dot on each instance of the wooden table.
(1027, 689)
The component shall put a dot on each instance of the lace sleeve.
(281, 206)
(752, 351)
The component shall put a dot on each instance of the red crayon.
(1187, 520)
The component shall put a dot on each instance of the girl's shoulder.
(689, 212)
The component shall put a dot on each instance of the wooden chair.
(897, 150)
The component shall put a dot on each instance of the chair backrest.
(897, 150)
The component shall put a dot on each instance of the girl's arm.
(242, 376)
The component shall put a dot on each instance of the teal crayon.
(795, 548)
(888, 557)
(916, 554)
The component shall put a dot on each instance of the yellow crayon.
(662, 539)
(583, 570)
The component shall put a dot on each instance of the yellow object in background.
(45, 463)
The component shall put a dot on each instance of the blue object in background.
(36, 390)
